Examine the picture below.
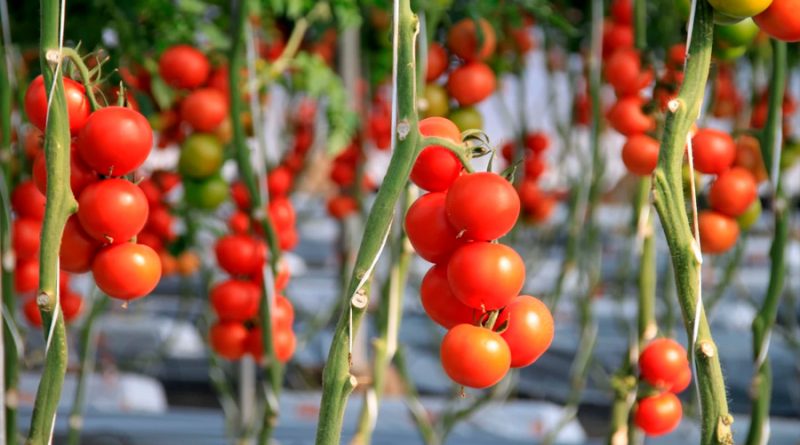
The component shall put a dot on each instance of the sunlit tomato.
(439, 302)
(204, 109)
(279, 181)
(485, 276)
(748, 156)
(342, 206)
(25, 236)
(428, 229)
(474, 356)
(27, 201)
(281, 212)
(616, 36)
(483, 205)
(623, 71)
(718, 233)
(436, 101)
(126, 271)
(627, 117)
(109, 129)
(113, 210)
(31, 311)
(471, 83)
(537, 142)
(80, 174)
(437, 62)
(228, 339)
(466, 118)
(662, 362)
(740, 8)
(529, 330)
(713, 151)
(201, 156)
(206, 194)
(437, 167)
(182, 66)
(683, 381)
(235, 300)
(733, 192)
(77, 247)
(464, 40)
(71, 305)
(240, 254)
(622, 11)
(78, 107)
(660, 414)
(239, 223)
(640, 154)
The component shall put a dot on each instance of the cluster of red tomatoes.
(473, 287)
(537, 205)
(344, 172)
(109, 143)
(664, 366)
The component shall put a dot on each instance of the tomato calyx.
(488, 320)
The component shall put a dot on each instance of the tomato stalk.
(685, 251)
(765, 319)
(460, 150)
(86, 78)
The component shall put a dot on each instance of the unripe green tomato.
(740, 8)
(467, 118)
(750, 216)
(207, 194)
(729, 53)
(437, 101)
(201, 156)
(790, 154)
(738, 34)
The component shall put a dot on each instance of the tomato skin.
(279, 181)
(658, 415)
(437, 101)
(31, 311)
(342, 206)
(228, 339)
(71, 305)
(462, 39)
(204, 109)
(207, 194)
(622, 11)
(733, 192)
(483, 205)
(474, 356)
(740, 9)
(201, 156)
(240, 254)
(683, 381)
(748, 156)
(26, 275)
(235, 300)
(113, 210)
(25, 237)
(78, 108)
(80, 174)
(437, 167)
(471, 83)
(623, 71)
(437, 62)
(126, 271)
(27, 201)
(428, 229)
(281, 212)
(780, 20)
(718, 233)
(626, 116)
(530, 329)
(106, 130)
(239, 223)
(439, 302)
(485, 276)
(78, 248)
(537, 142)
(283, 340)
(713, 151)
(662, 363)
(640, 154)
(182, 66)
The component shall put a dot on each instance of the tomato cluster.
(663, 365)
(537, 205)
(344, 172)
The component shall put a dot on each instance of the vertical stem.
(415, 407)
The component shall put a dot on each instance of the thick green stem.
(686, 257)
(765, 319)
(337, 381)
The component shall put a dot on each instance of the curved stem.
(85, 76)
(457, 149)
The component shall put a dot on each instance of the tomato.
(282, 214)
(483, 205)
(616, 36)
(33, 142)
(464, 40)
(71, 305)
(626, 116)
(534, 166)
(748, 156)
(474, 356)
(228, 339)
(485, 276)
(713, 151)
(27, 201)
(239, 223)
(282, 278)
(471, 83)
(240, 195)
(282, 313)
(466, 118)
(126, 271)
(676, 56)
(662, 362)
(342, 206)
(204, 109)
(436, 101)
(151, 191)
(78, 108)
(660, 414)
(201, 156)
(113, 210)
(622, 11)
(160, 222)
(106, 131)
(733, 192)
(437, 167)
(283, 340)
(169, 265)
(166, 180)
(235, 300)
(747, 219)
(240, 254)
(25, 235)
(439, 302)
(640, 154)
(77, 247)
(718, 233)
(738, 34)
(80, 174)
(623, 71)
(187, 263)
(279, 181)
(288, 239)
(207, 194)
(780, 20)
(437, 62)
(182, 66)
(31, 311)
(740, 9)
(683, 380)
(151, 240)
(428, 229)
(530, 329)
(537, 142)
(26, 275)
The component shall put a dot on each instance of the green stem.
(337, 380)
(86, 78)
(459, 150)
(418, 412)
(728, 275)
(685, 252)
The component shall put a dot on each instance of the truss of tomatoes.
(473, 288)
(664, 367)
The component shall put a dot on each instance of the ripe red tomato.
(471, 83)
(25, 237)
(682, 381)
(713, 151)
(474, 356)
(113, 210)
(78, 107)
(228, 339)
(240, 195)
(485, 276)
(31, 311)
(80, 174)
(662, 363)
(463, 41)
(439, 302)
(343, 174)
(283, 339)
(530, 329)
(623, 71)
(283, 277)
(288, 238)
(151, 240)
(428, 229)
(71, 305)
(483, 205)
(26, 275)
(77, 247)
(718, 233)
(106, 131)
(235, 300)
(279, 181)
(626, 116)
(616, 36)
(660, 414)
(182, 66)
(240, 254)
(204, 109)
(126, 271)
(281, 212)
(622, 11)
(733, 192)
(342, 206)
(437, 167)
(537, 142)
(159, 222)
(748, 156)
(780, 20)
(437, 62)
(239, 223)
(27, 201)
(282, 313)
(640, 154)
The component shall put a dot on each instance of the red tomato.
(640, 154)
(126, 271)
(80, 174)
(748, 156)
(662, 363)
(530, 329)
(623, 70)
(682, 381)
(342, 206)
(626, 116)
(204, 109)
(485, 276)
(622, 11)
(77, 247)
(31, 311)
(537, 142)
(437, 167)
(159, 221)
(718, 233)
(71, 305)
(474, 356)
(34, 142)
(676, 56)
(660, 414)
(283, 340)
(780, 20)
(240, 254)
(733, 192)
(288, 239)
(228, 339)
(281, 212)
(235, 300)
(463, 40)
(279, 181)
(283, 276)
(240, 195)
(282, 313)
(106, 131)
(343, 174)
(27, 201)
(713, 151)
(529, 194)
(428, 229)
(483, 205)
(182, 66)
(113, 210)
(151, 240)
(471, 83)
(239, 223)
(26, 275)
(439, 302)
(535, 166)
(25, 236)
(78, 107)
(616, 36)
(437, 62)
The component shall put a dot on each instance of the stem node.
(706, 348)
